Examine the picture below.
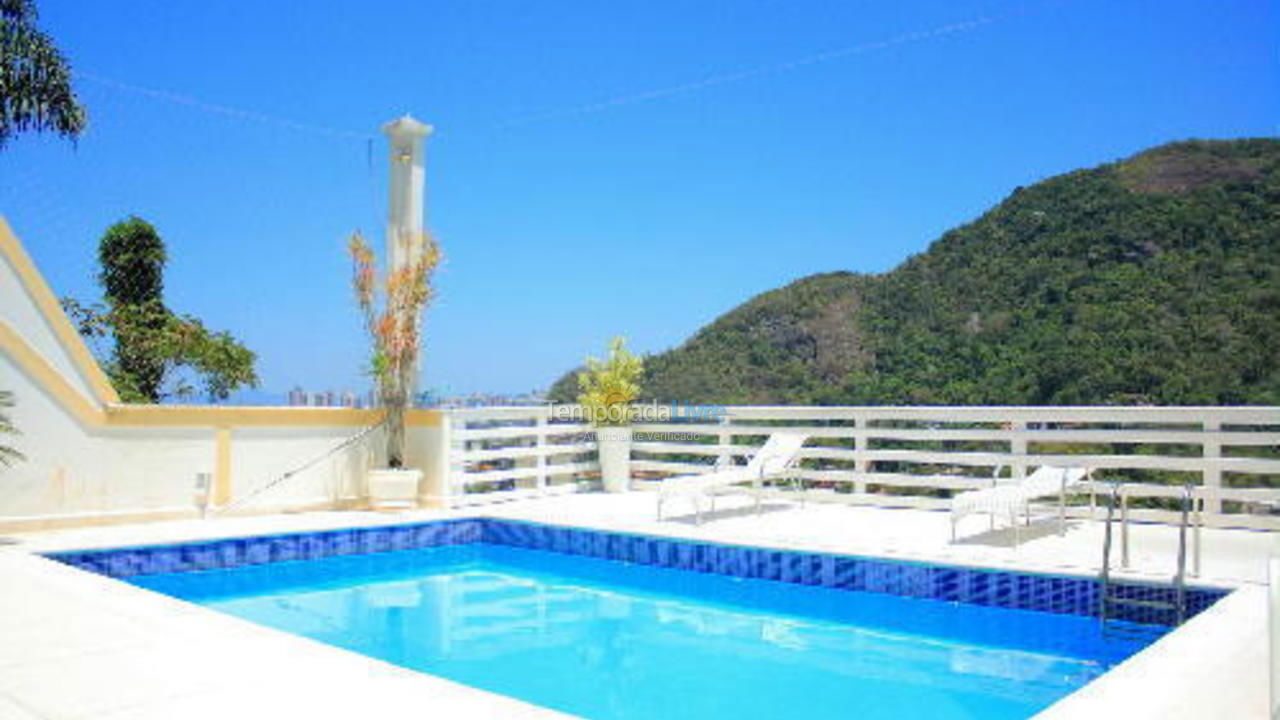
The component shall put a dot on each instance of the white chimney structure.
(405, 137)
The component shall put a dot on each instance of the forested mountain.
(1154, 280)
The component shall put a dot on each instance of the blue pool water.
(614, 641)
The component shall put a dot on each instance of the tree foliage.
(131, 260)
(1155, 280)
(35, 81)
(154, 354)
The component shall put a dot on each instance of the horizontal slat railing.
(1192, 415)
(1166, 437)
(503, 454)
(533, 451)
(918, 456)
(907, 456)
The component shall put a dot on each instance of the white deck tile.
(75, 645)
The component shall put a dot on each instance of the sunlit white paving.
(62, 624)
(1227, 555)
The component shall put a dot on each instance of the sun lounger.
(1012, 498)
(773, 459)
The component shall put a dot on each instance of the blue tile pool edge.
(1044, 592)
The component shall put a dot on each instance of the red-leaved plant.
(396, 327)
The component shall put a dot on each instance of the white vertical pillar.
(1018, 450)
(861, 467)
(540, 442)
(724, 458)
(405, 208)
(442, 466)
(407, 200)
(1211, 478)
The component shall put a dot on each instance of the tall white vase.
(614, 444)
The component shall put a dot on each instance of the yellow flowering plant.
(609, 386)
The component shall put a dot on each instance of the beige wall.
(90, 459)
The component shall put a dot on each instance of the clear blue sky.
(599, 168)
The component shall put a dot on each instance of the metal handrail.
(1179, 581)
(1104, 578)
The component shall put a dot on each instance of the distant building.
(481, 399)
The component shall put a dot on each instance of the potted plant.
(393, 319)
(608, 388)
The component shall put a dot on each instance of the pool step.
(1125, 630)
(1134, 602)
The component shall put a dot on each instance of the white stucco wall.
(19, 310)
(80, 469)
(153, 468)
(64, 466)
(261, 455)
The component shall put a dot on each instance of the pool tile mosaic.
(1027, 591)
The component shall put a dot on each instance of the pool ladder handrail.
(1106, 598)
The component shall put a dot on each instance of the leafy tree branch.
(151, 353)
(35, 80)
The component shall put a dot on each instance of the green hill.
(1152, 280)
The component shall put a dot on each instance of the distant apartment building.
(481, 399)
(298, 397)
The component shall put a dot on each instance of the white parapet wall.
(63, 465)
(91, 459)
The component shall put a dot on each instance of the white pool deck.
(75, 645)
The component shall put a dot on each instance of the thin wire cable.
(777, 68)
(305, 466)
(226, 110)
(598, 106)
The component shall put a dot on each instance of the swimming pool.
(615, 626)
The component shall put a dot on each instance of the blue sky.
(627, 167)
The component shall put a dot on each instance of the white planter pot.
(396, 488)
(614, 444)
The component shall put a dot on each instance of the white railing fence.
(498, 454)
(908, 456)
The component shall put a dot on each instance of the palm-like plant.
(609, 386)
(7, 454)
(35, 81)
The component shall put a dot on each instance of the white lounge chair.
(774, 458)
(1012, 498)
